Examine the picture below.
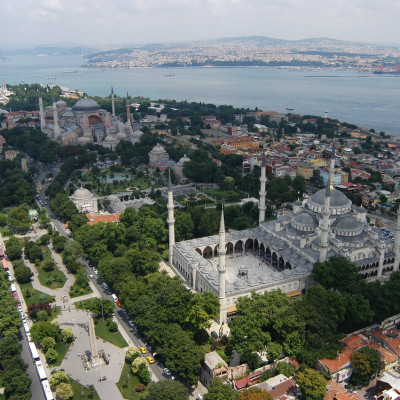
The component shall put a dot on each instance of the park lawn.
(76, 291)
(141, 183)
(127, 387)
(79, 388)
(114, 338)
(62, 349)
(83, 304)
(36, 296)
(54, 279)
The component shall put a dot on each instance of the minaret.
(41, 113)
(263, 180)
(57, 131)
(396, 243)
(222, 269)
(112, 102)
(326, 212)
(128, 110)
(171, 221)
(326, 112)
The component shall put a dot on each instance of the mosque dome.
(184, 159)
(239, 284)
(137, 134)
(158, 149)
(264, 278)
(121, 136)
(339, 202)
(110, 138)
(304, 222)
(276, 275)
(300, 271)
(287, 272)
(229, 287)
(82, 194)
(86, 105)
(347, 226)
(252, 281)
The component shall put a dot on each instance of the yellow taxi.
(143, 350)
(150, 359)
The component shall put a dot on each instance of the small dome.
(110, 138)
(300, 271)
(121, 136)
(82, 194)
(204, 263)
(239, 284)
(287, 272)
(252, 281)
(276, 275)
(137, 134)
(86, 105)
(184, 159)
(158, 149)
(213, 276)
(361, 209)
(264, 278)
(298, 202)
(207, 269)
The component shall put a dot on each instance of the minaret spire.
(41, 112)
(222, 269)
(171, 220)
(326, 211)
(112, 102)
(396, 243)
(57, 130)
(128, 110)
(263, 180)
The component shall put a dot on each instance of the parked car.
(143, 350)
(150, 359)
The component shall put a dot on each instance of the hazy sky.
(146, 21)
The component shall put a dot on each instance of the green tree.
(23, 274)
(48, 265)
(220, 391)
(312, 384)
(18, 218)
(285, 369)
(58, 377)
(144, 374)
(47, 343)
(274, 351)
(51, 356)
(59, 243)
(43, 329)
(64, 391)
(167, 390)
(254, 394)
(67, 335)
(317, 179)
(131, 354)
(14, 252)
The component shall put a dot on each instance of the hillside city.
(323, 53)
(161, 249)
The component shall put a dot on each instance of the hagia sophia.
(85, 122)
(280, 254)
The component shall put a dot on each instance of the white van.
(114, 298)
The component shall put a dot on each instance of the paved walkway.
(78, 320)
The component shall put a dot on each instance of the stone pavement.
(77, 320)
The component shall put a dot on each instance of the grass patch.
(32, 295)
(83, 304)
(127, 386)
(54, 279)
(61, 349)
(79, 389)
(142, 183)
(115, 338)
(76, 291)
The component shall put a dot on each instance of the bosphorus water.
(370, 101)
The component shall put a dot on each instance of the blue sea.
(368, 100)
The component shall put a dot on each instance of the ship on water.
(382, 70)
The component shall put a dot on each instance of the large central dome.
(339, 202)
(86, 105)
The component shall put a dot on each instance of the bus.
(5, 264)
(40, 370)
(16, 297)
(34, 352)
(1, 252)
(13, 288)
(46, 390)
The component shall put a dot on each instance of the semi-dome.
(137, 134)
(347, 225)
(304, 222)
(121, 136)
(339, 201)
(82, 194)
(110, 138)
(86, 105)
(184, 159)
